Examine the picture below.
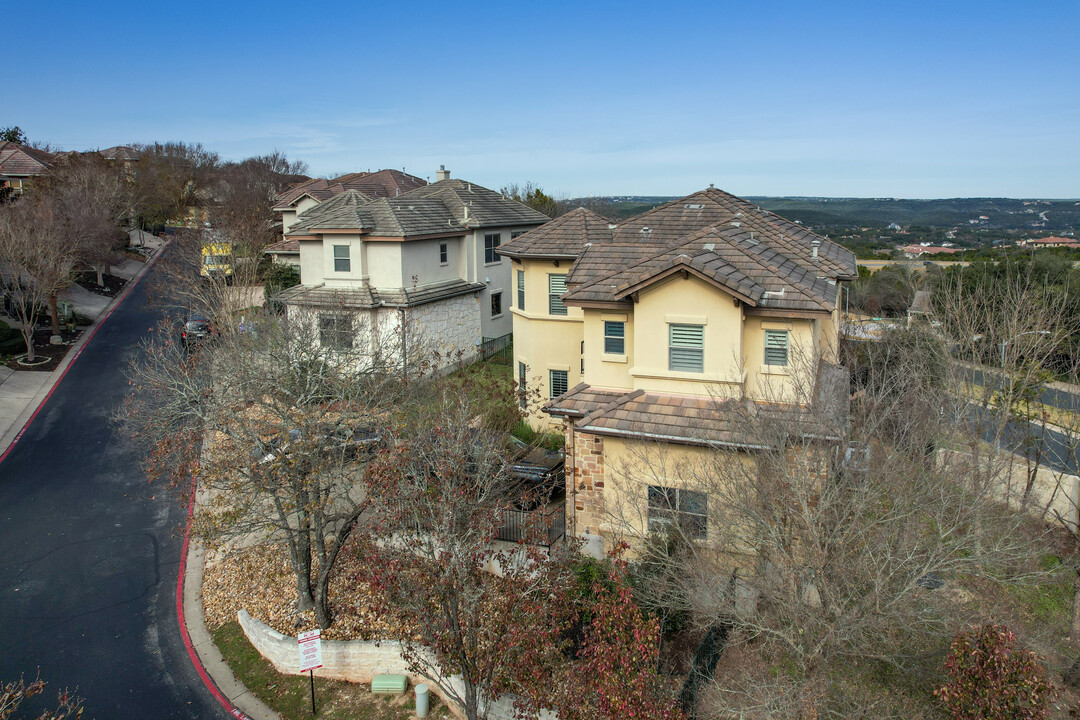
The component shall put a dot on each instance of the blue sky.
(897, 99)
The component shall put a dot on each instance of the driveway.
(91, 551)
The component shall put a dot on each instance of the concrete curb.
(22, 422)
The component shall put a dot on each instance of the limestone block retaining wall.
(358, 661)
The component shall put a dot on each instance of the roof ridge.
(609, 406)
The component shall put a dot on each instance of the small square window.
(776, 348)
(614, 337)
(341, 258)
(559, 381)
(490, 243)
(496, 304)
(444, 254)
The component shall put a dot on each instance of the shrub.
(992, 678)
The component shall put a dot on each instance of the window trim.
(685, 351)
(494, 295)
(347, 257)
(491, 252)
(555, 303)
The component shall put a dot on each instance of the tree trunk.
(706, 657)
(323, 615)
(100, 275)
(301, 562)
(53, 315)
(28, 337)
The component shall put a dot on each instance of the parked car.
(196, 329)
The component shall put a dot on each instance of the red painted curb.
(71, 361)
(199, 668)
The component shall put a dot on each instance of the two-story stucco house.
(652, 329)
(427, 257)
(20, 164)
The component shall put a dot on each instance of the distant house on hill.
(20, 164)
(1053, 241)
(914, 251)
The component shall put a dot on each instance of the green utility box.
(389, 684)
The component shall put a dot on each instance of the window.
(496, 304)
(516, 234)
(336, 331)
(444, 254)
(776, 347)
(556, 287)
(522, 377)
(490, 243)
(687, 508)
(614, 337)
(521, 289)
(341, 258)
(559, 381)
(686, 348)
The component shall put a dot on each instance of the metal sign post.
(310, 646)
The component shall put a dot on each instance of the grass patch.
(549, 441)
(290, 695)
(1050, 600)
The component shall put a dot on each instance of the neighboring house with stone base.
(423, 263)
(669, 330)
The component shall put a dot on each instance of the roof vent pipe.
(442, 174)
(814, 245)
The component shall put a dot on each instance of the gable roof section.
(338, 213)
(382, 217)
(382, 183)
(486, 208)
(22, 161)
(567, 236)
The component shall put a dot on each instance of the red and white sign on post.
(310, 650)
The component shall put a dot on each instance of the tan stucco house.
(426, 259)
(656, 329)
(19, 165)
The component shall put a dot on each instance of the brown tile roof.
(21, 161)
(691, 420)
(119, 152)
(382, 183)
(564, 237)
(285, 247)
(402, 216)
(486, 208)
(366, 297)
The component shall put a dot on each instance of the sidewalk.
(23, 392)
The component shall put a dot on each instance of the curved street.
(91, 551)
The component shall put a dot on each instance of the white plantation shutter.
(559, 380)
(776, 347)
(686, 348)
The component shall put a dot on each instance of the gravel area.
(260, 580)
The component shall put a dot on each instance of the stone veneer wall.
(449, 327)
(358, 661)
(588, 463)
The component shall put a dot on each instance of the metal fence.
(498, 349)
(546, 526)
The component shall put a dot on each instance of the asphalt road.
(89, 552)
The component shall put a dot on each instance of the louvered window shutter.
(686, 348)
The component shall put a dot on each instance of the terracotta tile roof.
(285, 247)
(564, 237)
(580, 400)
(366, 297)
(119, 152)
(22, 161)
(382, 183)
(486, 208)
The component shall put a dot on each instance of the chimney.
(814, 245)
(443, 174)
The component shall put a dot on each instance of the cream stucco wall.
(793, 383)
(311, 262)
(355, 274)
(603, 369)
(688, 301)
(384, 264)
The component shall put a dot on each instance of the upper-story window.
(556, 288)
(341, 258)
(614, 337)
(491, 241)
(516, 234)
(686, 348)
(687, 509)
(496, 304)
(444, 254)
(559, 380)
(776, 347)
(521, 289)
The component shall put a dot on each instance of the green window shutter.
(776, 347)
(614, 337)
(521, 289)
(556, 288)
(686, 348)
